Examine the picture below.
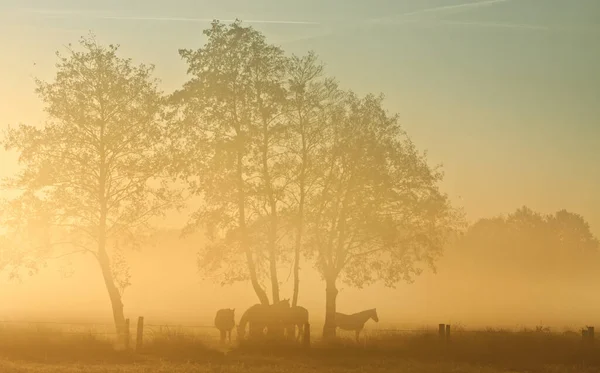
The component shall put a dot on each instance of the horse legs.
(291, 332)
(223, 332)
(357, 334)
(300, 336)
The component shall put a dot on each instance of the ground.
(486, 351)
(274, 365)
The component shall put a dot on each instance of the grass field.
(491, 351)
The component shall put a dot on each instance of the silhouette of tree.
(311, 100)
(228, 135)
(377, 213)
(91, 178)
(278, 152)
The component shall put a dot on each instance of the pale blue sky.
(506, 93)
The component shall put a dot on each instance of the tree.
(91, 175)
(278, 152)
(228, 133)
(311, 97)
(377, 212)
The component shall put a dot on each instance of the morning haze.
(172, 165)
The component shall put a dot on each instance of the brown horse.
(225, 322)
(355, 321)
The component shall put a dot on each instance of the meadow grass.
(178, 350)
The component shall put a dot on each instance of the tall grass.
(516, 350)
(48, 345)
(176, 344)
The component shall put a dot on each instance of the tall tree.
(377, 213)
(228, 140)
(311, 97)
(91, 174)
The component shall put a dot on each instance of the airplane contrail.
(492, 24)
(403, 18)
(205, 20)
(105, 15)
(463, 6)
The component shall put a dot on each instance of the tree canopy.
(279, 153)
(91, 177)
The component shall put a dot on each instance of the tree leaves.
(94, 167)
(377, 212)
(370, 204)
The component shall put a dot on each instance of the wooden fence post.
(139, 341)
(447, 333)
(442, 331)
(127, 334)
(306, 337)
(587, 336)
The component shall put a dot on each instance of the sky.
(504, 93)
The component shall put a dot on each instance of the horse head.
(283, 304)
(374, 315)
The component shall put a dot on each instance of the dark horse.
(261, 317)
(296, 317)
(225, 322)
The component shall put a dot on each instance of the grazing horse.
(278, 313)
(225, 322)
(355, 321)
(257, 318)
(260, 317)
(296, 317)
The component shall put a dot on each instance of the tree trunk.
(102, 255)
(300, 226)
(297, 261)
(273, 259)
(260, 292)
(273, 249)
(296, 270)
(113, 291)
(331, 293)
(270, 194)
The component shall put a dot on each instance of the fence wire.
(206, 330)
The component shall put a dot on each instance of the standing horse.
(355, 321)
(225, 322)
(296, 317)
(260, 317)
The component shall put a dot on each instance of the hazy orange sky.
(504, 93)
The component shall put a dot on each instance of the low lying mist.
(472, 288)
